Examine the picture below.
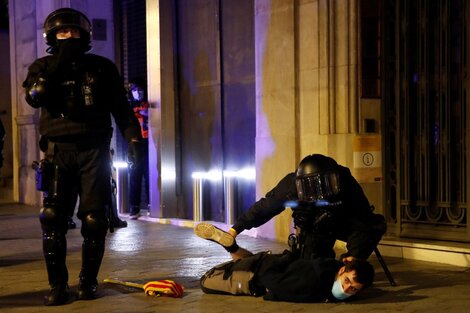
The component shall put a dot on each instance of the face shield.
(318, 187)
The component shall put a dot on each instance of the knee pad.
(51, 216)
(53, 224)
(94, 226)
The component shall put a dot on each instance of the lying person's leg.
(222, 279)
(238, 277)
(210, 232)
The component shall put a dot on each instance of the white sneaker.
(134, 216)
(213, 233)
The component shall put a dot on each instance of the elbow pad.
(37, 95)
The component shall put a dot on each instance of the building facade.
(381, 86)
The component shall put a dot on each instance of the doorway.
(6, 134)
(426, 58)
(216, 102)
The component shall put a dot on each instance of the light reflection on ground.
(123, 240)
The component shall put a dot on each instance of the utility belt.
(47, 172)
(47, 176)
(74, 144)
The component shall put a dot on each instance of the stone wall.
(306, 81)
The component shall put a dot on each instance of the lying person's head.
(352, 278)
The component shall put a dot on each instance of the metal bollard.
(197, 199)
(122, 197)
(229, 199)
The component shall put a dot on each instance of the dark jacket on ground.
(276, 277)
(299, 280)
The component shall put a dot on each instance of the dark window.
(370, 49)
(4, 14)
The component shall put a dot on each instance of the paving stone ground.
(146, 251)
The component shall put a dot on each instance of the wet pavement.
(146, 251)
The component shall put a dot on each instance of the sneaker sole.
(210, 232)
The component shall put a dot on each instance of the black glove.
(70, 50)
(135, 154)
(302, 213)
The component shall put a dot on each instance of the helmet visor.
(319, 186)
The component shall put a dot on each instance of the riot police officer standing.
(77, 93)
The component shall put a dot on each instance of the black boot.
(87, 289)
(118, 223)
(54, 247)
(92, 254)
(58, 295)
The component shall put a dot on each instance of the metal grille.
(134, 48)
(428, 118)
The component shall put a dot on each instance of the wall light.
(120, 164)
(213, 175)
(168, 174)
(245, 173)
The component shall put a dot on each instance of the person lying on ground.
(282, 277)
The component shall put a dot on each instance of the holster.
(44, 174)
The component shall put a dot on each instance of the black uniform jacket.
(78, 101)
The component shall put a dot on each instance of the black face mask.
(70, 49)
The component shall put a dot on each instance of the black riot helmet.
(66, 17)
(317, 180)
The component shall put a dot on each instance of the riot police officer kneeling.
(327, 204)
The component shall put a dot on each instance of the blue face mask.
(337, 290)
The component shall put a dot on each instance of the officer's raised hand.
(68, 48)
